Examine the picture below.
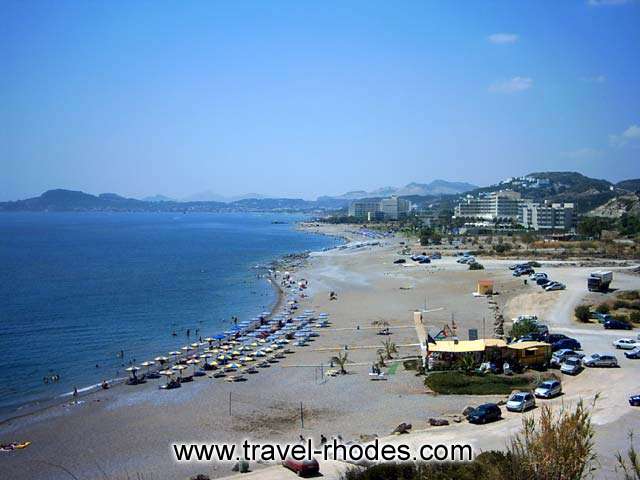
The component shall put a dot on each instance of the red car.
(302, 467)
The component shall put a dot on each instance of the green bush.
(603, 308)
(458, 383)
(629, 295)
(582, 313)
(502, 248)
(635, 317)
(620, 304)
(476, 266)
(526, 327)
(621, 318)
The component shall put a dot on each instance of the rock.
(365, 437)
(402, 428)
(467, 410)
(438, 422)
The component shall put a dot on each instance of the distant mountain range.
(588, 194)
(436, 187)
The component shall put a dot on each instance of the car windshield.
(546, 385)
(518, 397)
(571, 361)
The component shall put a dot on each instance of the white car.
(555, 286)
(626, 343)
(525, 318)
(521, 401)
(548, 389)
(538, 275)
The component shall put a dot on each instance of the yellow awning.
(465, 346)
(528, 345)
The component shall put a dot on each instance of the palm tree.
(341, 360)
(389, 348)
(466, 363)
(381, 357)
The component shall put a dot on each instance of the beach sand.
(127, 431)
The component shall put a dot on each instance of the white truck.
(599, 281)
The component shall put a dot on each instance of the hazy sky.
(303, 98)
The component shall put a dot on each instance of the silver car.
(571, 366)
(521, 401)
(600, 360)
(548, 389)
(559, 356)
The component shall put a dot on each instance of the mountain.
(158, 198)
(436, 187)
(617, 206)
(632, 185)
(210, 196)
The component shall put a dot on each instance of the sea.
(84, 295)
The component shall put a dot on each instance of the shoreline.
(44, 405)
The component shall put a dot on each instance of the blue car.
(569, 343)
(633, 354)
(634, 400)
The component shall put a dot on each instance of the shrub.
(582, 313)
(476, 266)
(502, 248)
(621, 318)
(620, 304)
(629, 295)
(526, 327)
(635, 317)
(603, 308)
(458, 383)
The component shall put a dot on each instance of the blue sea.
(78, 288)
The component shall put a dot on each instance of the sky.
(299, 99)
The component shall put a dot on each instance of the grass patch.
(459, 383)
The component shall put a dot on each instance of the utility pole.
(301, 416)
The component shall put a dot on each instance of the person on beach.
(104, 385)
(75, 395)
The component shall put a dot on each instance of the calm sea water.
(77, 288)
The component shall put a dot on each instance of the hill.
(436, 187)
(618, 206)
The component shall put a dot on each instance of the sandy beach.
(128, 430)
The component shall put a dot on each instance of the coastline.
(44, 405)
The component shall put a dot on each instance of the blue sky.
(307, 98)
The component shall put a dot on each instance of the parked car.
(626, 343)
(554, 286)
(485, 413)
(633, 354)
(400, 260)
(555, 337)
(302, 467)
(570, 343)
(601, 317)
(634, 400)
(617, 325)
(543, 330)
(600, 360)
(571, 366)
(525, 318)
(436, 256)
(560, 355)
(518, 272)
(548, 389)
(543, 282)
(538, 276)
(520, 402)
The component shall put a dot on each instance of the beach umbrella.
(235, 353)
(186, 348)
(179, 368)
(219, 337)
(161, 360)
(166, 373)
(195, 345)
(193, 362)
(175, 354)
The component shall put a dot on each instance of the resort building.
(388, 209)
(365, 209)
(554, 216)
(502, 205)
(394, 208)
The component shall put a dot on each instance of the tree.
(466, 363)
(630, 469)
(554, 446)
(582, 313)
(603, 308)
(523, 328)
(389, 348)
(341, 360)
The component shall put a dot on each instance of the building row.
(391, 208)
(509, 206)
